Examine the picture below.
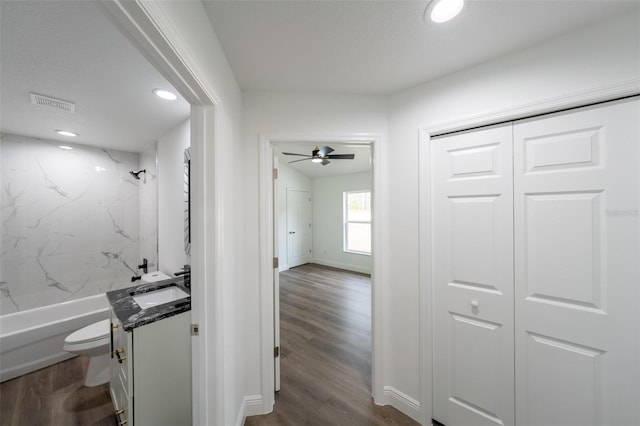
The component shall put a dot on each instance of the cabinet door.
(120, 385)
(577, 277)
(162, 372)
(472, 232)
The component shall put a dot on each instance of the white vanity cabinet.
(151, 372)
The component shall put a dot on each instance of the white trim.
(340, 265)
(251, 406)
(600, 94)
(426, 322)
(147, 26)
(266, 142)
(402, 402)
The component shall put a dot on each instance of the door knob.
(474, 304)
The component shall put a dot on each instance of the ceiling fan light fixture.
(316, 160)
(440, 11)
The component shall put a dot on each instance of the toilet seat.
(90, 333)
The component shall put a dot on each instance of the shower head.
(137, 174)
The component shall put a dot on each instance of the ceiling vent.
(53, 103)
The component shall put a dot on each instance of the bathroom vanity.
(151, 354)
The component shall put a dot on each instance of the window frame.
(346, 221)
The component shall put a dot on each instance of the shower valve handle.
(144, 266)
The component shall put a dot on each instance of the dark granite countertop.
(132, 316)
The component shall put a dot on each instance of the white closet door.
(577, 274)
(473, 278)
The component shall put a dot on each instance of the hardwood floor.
(55, 396)
(325, 326)
(325, 354)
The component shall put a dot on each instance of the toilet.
(94, 341)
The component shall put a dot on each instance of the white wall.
(328, 221)
(171, 255)
(287, 179)
(598, 56)
(282, 113)
(224, 308)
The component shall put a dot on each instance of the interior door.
(577, 277)
(298, 227)
(472, 232)
(276, 278)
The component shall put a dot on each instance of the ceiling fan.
(321, 155)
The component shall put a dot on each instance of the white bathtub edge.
(24, 350)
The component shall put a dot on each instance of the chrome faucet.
(186, 271)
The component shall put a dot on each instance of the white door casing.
(576, 255)
(298, 227)
(266, 236)
(276, 281)
(473, 278)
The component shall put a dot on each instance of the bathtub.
(33, 339)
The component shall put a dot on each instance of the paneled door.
(298, 227)
(577, 184)
(473, 278)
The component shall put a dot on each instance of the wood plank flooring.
(325, 325)
(55, 396)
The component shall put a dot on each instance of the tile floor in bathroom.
(55, 396)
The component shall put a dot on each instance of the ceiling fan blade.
(302, 159)
(299, 155)
(325, 161)
(325, 150)
(341, 156)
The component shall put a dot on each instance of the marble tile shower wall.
(70, 222)
(149, 207)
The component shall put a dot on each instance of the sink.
(159, 297)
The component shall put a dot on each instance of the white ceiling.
(380, 47)
(69, 50)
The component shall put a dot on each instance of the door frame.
(425, 204)
(148, 28)
(266, 144)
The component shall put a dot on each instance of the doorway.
(269, 250)
(298, 227)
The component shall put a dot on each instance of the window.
(357, 222)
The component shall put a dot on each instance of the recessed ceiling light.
(66, 133)
(443, 10)
(164, 94)
(65, 147)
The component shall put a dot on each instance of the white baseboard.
(402, 402)
(251, 406)
(345, 266)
